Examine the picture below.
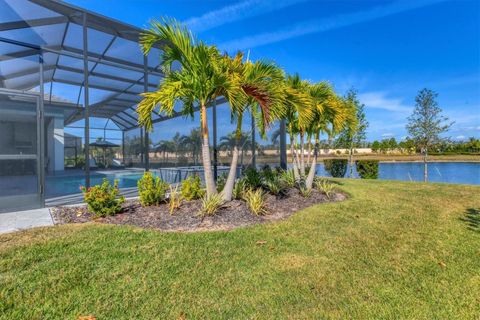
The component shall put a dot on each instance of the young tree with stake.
(426, 124)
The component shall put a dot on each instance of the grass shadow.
(472, 219)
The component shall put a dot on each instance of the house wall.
(55, 144)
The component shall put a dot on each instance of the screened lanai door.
(20, 181)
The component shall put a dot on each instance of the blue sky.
(387, 50)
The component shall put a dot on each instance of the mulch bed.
(232, 215)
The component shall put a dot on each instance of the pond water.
(449, 172)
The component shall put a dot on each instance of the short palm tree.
(261, 84)
(299, 114)
(200, 80)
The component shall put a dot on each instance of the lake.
(449, 172)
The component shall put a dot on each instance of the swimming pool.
(70, 184)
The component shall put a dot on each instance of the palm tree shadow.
(472, 219)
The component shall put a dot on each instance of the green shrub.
(324, 186)
(211, 204)
(102, 200)
(367, 169)
(336, 167)
(255, 200)
(253, 178)
(191, 188)
(174, 200)
(266, 173)
(239, 189)
(151, 190)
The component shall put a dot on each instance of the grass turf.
(393, 250)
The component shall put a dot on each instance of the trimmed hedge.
(336, 167)
(367, 169)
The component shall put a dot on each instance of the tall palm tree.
(275, 137)
(161, 147)
(177, 145)
(201, 78)
(193, 141)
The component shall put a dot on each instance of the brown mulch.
(232, 215)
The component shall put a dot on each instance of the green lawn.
(393, 250)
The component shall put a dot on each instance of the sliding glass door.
(20, 139)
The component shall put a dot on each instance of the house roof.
(116, 64)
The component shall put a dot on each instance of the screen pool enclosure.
(70, 78)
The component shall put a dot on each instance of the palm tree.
(165, 146)
(331, 114)
(200, 80)
(177, 145)
(229, 141)
(275, 137)
(261, 85)
(194, 142)
(299, 113)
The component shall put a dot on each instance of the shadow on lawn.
(472, 219)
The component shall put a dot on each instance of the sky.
(386, 50)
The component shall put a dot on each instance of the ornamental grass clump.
(151, 190)
(275, 185)
(288, 178)
(305, 192)
(325, 186)
(255, 200)
(103, 200)
(239, 189)
(211, 204)
(174, 200)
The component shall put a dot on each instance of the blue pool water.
(64, 185)
(449, 172)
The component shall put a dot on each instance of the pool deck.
(27, 219)
(21, 220)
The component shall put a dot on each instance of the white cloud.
(461, 137)
(322, 25)
(387, 135)
(380, 100)
(235, 12)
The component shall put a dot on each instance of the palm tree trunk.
(232, 173)
(313, 167)
(296, 173)
(302, 154)
(207, 165)
(425, 166)
(309, 146)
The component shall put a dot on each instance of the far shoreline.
(410, 158)
(384, 158)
